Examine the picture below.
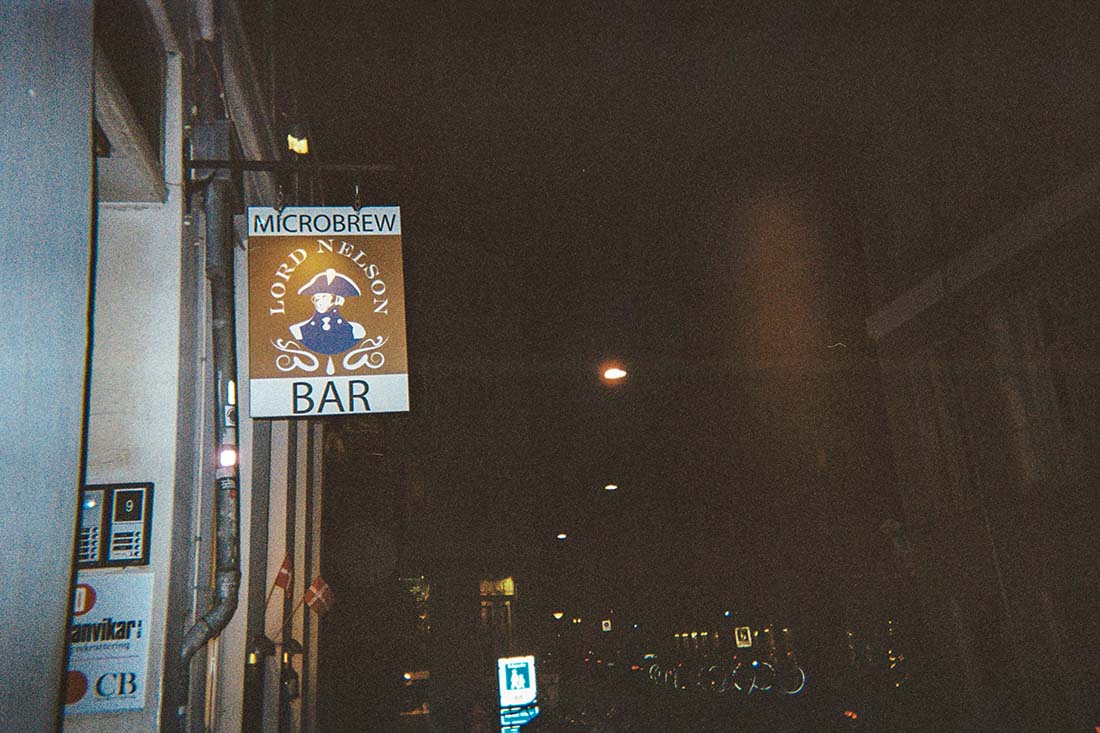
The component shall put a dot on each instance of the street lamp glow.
(611, 487)
(558, 615)
(562, 535)
(228, 457)
(614, 373)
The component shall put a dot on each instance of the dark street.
(556, 367)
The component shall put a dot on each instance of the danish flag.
(283, 577)
(320, 597)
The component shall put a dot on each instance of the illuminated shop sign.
(326, 312)
(516, 677)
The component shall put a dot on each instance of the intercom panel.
(115, 523)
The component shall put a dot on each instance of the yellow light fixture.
(558, 615)
(299, 145)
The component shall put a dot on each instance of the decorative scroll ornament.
(366, 355)
(294, 357)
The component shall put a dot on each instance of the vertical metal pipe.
(291, 545)
(227, 549)
(252, 717)
(205, 19)
(312, 429)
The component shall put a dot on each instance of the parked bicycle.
(735, 676)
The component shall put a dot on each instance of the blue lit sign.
(513, 719)
(516, 676)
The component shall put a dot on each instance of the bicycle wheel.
(743, 679)
(791, 681)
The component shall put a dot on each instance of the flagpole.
(290, 617)
(267, 601)
(275, 583)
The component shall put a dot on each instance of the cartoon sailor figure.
(326, 331)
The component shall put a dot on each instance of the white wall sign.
(516, 676)
(108, 642)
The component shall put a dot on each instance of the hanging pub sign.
(326, 312)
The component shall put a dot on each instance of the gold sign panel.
(326, 307)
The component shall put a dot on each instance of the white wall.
(132, 433)
(45, 196)
(149, 422)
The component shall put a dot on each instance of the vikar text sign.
(326, 306)
(109, 642)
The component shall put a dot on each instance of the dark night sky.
(567, 177)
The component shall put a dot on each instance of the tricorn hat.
(332, 282)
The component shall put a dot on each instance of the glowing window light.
(299, 145)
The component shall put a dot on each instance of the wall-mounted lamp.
(296, 140)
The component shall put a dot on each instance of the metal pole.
(227, 549)
(252, 718)
(287, 166)
(215, 133)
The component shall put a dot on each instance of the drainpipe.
(204, 19)
(213, 136)
(227, 548)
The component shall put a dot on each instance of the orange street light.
(614, 373)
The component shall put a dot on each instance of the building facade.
(108, 103)
(982, 221)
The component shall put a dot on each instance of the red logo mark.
(83, 599)
(76, 684)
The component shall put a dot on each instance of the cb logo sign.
(116, 684)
